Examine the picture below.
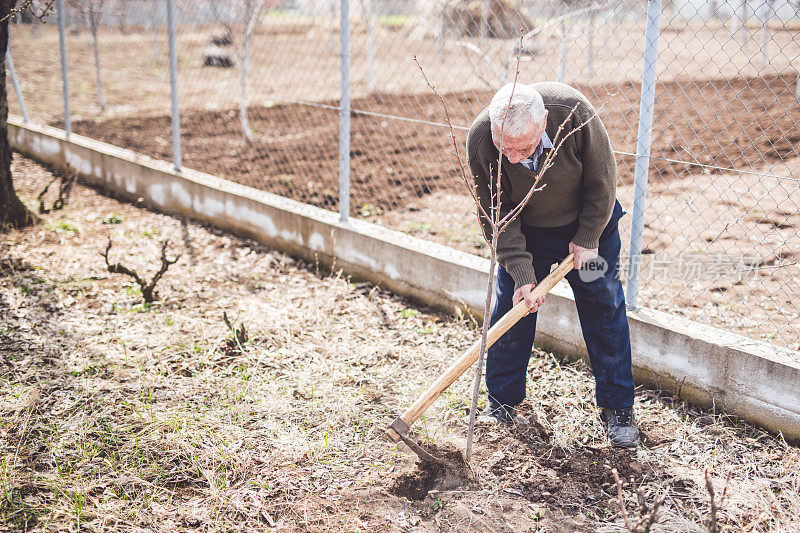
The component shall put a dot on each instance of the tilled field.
(118, 415)
(731, 123)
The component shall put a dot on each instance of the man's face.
(518, 148)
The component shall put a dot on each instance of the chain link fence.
(259, 87)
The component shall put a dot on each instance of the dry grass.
(116, 415)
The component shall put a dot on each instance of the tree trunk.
(13, 213)
(487, 317)
(101, 99)
(243, 66)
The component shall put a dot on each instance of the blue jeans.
(601, 310)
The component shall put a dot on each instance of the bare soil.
(118, 415)
(742, 123)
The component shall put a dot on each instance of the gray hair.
(525, 109)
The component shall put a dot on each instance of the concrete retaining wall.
(708, 366)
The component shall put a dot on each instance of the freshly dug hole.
(426, 476)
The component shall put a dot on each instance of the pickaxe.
(399, 428)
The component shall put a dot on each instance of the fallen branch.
(148, 289)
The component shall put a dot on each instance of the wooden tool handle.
(461, 364)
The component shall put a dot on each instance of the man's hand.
(524, 293)
(582, 255)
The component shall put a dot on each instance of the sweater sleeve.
(511, 245)
(599, 180)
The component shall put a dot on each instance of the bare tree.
(495, 217)
(768, 10)
(494, 72)
(121, 13)
(739, 21)
(241, 20)
(92, 12)
(156, 29)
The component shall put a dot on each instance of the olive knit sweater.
(580, 185)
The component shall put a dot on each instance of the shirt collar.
(546, 142)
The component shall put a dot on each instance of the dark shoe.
(621, 427)
(496, 413)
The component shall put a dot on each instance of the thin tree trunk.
(485, 19)
(243, 92)
(156, 42)
(743, 23)
(13, 213)
(101, 99)
(487, 310)
(122, 17)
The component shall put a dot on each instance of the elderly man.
(575, 212)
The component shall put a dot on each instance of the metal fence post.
(643, 148)
(344, 114)
(173, 86)
(65, 84)
(15, 81)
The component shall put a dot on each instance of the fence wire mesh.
(259, 83)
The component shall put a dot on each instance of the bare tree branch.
(715, 507)
(469, 183)
(621, 498)
(548, 162)
(148, 289)
(499, 185)
(647, 514)
(43, 13)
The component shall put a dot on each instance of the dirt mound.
(426, 476)
(521, 462)
(530, 431)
